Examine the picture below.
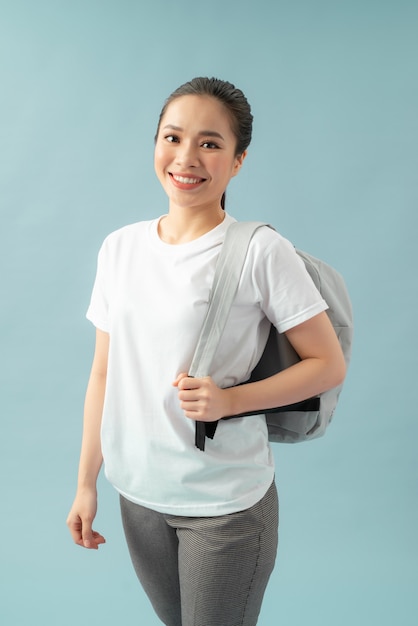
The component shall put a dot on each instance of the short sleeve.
(287, 293)
(98, 310)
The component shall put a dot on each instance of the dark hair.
(233, 100)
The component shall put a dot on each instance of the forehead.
(198, 112)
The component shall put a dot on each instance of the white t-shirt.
(151, 297)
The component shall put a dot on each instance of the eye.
(172, 138)
(210, 145)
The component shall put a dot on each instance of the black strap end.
(203, 430)
(200, 436)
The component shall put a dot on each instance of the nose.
(187, 154)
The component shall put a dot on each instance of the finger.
(75, 526)
(198, 409)
(189, 395)
(98, 538)
(182, 375)
(188, 384)
(75, 530)
(87, 536)
(198, 416)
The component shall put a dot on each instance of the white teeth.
(187, 181)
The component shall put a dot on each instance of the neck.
(183, 225)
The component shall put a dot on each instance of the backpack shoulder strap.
(225, 283)
(226, 279)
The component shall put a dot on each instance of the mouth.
(186, 182)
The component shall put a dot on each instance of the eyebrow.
(206, 133)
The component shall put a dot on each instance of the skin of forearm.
(91, 454)
(299, 382)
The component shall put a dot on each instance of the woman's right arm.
(84, 508)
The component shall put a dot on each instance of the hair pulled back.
(233, 100)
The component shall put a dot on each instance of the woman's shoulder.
(128, 231)
(265, 232)
(267, 240)
(126, 236)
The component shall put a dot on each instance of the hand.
(201, 399)
(80, 520)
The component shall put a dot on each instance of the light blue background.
(333, 166)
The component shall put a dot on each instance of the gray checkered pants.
(204, 571)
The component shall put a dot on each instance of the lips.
(183, 181)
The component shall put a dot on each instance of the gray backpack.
(292, 423)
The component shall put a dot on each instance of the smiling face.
(195, 149)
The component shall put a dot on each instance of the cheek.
(226, 169)
(160, 159)
(157, 154)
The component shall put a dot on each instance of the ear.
(239, 160)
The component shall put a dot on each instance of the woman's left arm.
(322, 367)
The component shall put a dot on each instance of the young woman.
(201, 526)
